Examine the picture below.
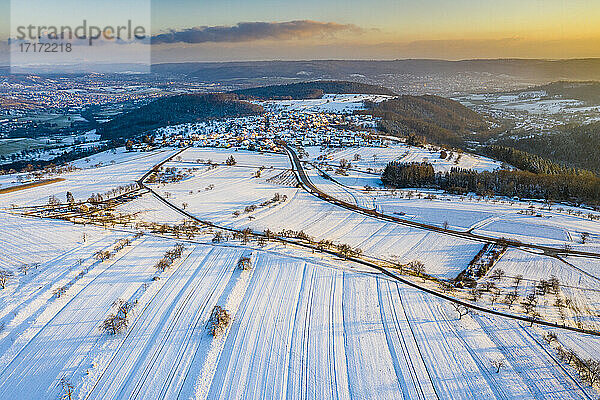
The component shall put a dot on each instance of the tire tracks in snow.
(74, 296)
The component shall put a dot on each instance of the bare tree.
(113, 324)
(24, 268)
(231, 161)
(446, 286)
(218, 238)
(246, 233)
(460, 309)
(102, 255)
(498, 364)
(418, 267)
(244, 263)
(530, 303)
(269, 234)
(510, 298)
(59, 292)
(488, 286)
(592, 371)
(496, 293)
(497, 274)
(554, 285)
(218, 321)
(475, 294)
(550, 337)
(53, 201)
(5, 276)
(345, 250)
(124, 308)
(67, 388)
(70, 198)
(517, 281)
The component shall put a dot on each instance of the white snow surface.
(304, 326)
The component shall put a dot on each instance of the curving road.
(311, 188)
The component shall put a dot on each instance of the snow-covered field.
(533, 110)
(115, 170)
(235, 188)
(527, 221)
(376, 158)
(304, 324)
(300, 330)
(329, 103)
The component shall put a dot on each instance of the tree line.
(522, 184)
(310, 90)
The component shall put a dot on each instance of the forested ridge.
(530, 162)
(177, 110)
(310, 90)
(433, 119)
(587, 91)
(575, 146)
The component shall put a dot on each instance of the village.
(265, 133)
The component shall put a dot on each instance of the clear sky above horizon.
(369, 29)
(430, 19)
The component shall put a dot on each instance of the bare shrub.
(25, 268)
(460, 309)
(67, 388)
(244, 263)
(218, 321)
(218, 238)
(59, 292)
(113, 324)
(498, 364)
(102, 255)
(124, 308)
(5, 276)
(170, 257)
(231, 161)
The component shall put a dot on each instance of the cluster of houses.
(265, 132)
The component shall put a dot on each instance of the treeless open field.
(30, 185)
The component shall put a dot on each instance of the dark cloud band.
(249, 31)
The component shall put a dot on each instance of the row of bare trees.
(344, 250)
(96, 198)
(187, 229)
(170, 256)
(277, 198)
(588, 369)
(6, 275)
